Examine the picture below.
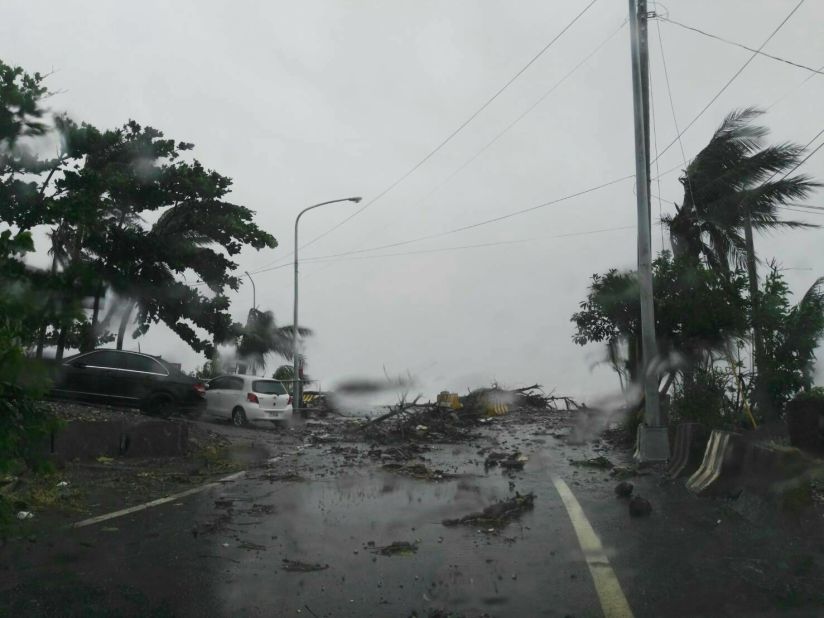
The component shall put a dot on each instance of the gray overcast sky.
(301, 102)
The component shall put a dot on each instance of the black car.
(131, 379)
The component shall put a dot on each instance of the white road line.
(146, 505)
(613, 602)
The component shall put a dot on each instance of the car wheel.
(238, 417)
(160, 405)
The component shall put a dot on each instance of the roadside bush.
(25, 424)
(813, 394)
(805, 420)
(703, 396)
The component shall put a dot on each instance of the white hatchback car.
(247, 398)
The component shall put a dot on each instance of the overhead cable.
(734, 77)
(460, 127)
(741, 45)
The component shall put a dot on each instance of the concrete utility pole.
(297, 399)
(653, 442)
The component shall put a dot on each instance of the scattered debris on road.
(497, 515)
(599, 462)
(398, 548)
(417, 471)
(507, 461)
(303, 567)
(639, 507)
(624, 489)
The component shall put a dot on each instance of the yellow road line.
(159, 501)
(613, 602)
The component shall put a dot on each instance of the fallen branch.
(403, 407)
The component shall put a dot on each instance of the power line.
(485, 222)
(339, 257)
(793, 89)
(531, 108)
(455, 230)
(346, 257)
(459, 229)
(544, 205)
(449, 138)
(811, 153)
(734, 77)
(669, 94)
(741, 45)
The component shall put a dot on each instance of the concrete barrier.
(138, 437)
(722, 460)
(775, 480)
(496, 409)
(156, 438)
(88, 440)
(687, 449)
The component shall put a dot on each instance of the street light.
(254, 292)
(296, 385)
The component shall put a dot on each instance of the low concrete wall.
(156, 438)
(141, 437)
(88, 440)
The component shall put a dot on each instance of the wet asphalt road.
(221, 552)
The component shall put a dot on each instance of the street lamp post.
(254, 292)
(296, 384)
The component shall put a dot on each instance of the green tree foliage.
(735, 185)
(791, 333)
(128, 175)
(24, 423)
(696, 311)
(708, 396)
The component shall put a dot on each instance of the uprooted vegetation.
(454, 420)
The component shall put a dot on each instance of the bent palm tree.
(733, 181)
(735, 185)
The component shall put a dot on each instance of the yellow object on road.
(449, 400)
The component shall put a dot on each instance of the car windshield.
(415, 308)
(268, 387)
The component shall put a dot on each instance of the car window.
(135, 362)
(218, 384)
(268, 387)
(104, 358)
(235, 384)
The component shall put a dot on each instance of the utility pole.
(653, 441)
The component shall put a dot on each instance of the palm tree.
(731, 182)
(734, 185)
(262, 336)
